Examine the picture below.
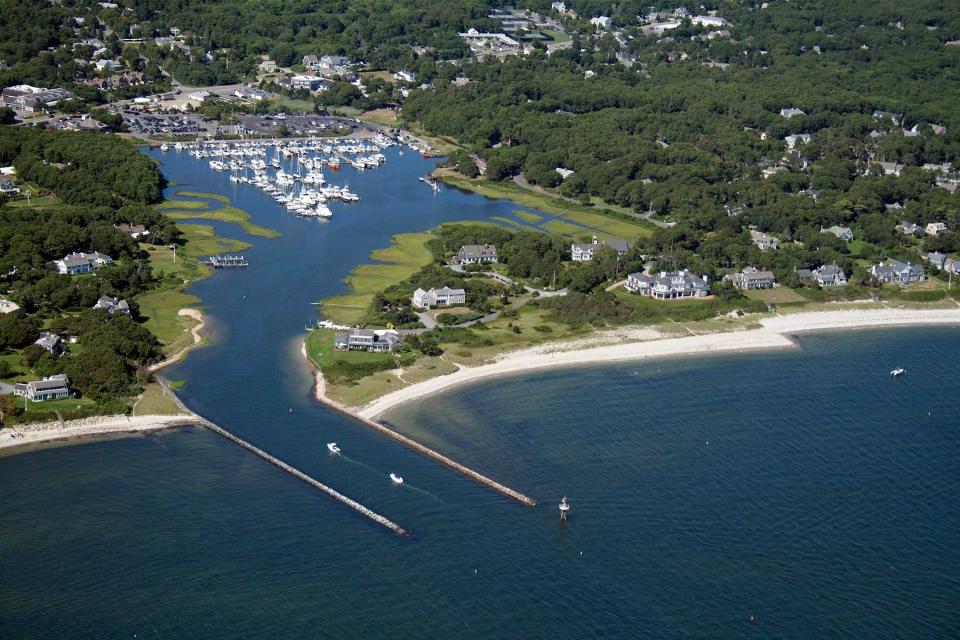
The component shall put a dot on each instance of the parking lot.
(167, 124)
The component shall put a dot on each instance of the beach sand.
(22, 435)
(773, 334)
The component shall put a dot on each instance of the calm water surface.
(805, 488)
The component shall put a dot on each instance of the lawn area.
(383, 117)
(378, 384)
(777, 295)
(557, 36)
(346, 367)
(406, 254)
(161, 308)
(650, 311)
(39, 203)
(605, 225)
(154, 402)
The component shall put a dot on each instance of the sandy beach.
(23, 435)
(773, 334)
(197, 339)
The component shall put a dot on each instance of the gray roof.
(829, 271)
(450, 292)
(53, 382)
(752, 273)
(478, 251)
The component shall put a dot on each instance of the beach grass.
(565, 229)
(406, 254)
(154, 402)
(507, 221)
(229, 214)
(204, 195)
(182, 204)
(603, 221)
(161, 309)
(526, 216)
(777, 295)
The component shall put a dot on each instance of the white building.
(52, 388)
(74, 263)
(668, 285)
(112, 305)
(8, 307)
(763, 241)
(935, 229)
(442, 297)
(602, 22)
(581, 252)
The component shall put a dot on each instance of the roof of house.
(59, 381)
(671, 278)
(478, 250)
(752, 273)
(445, 290)
(828, 270)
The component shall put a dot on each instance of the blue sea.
(804, 488)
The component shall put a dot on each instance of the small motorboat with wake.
(396, 479)
(333, 447)
(899, 371)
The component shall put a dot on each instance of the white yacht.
(396, 479)
(899, 371)
(333, 447)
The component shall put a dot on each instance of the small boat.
(164, 147)
(396, 479)
(564, 508)
(333, 447)
(899, 371)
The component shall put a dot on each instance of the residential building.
(668, 285)
(753, 278)
(897, 272)
(709, 21)
(844, 233)
(790, 112)
(109, 65)
(559, 7)
(602, 22)
(51, 388)
(74, 263)
(133, 230)
(477, 254)
(442, 297)
(405, 76)
(935, 229)
(51, 342)
(10, 307)
(909, 228)
(311, 83)
(112, 305)
(829, 275)
(936, 259)
(7, 188)
(311, 62)
(376, 340)
(581, 252)
(763, 241)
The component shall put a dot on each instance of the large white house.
(376, 340)
(829, 275)
(897, 272)
(582, 252)
(442, 297)
(52, 388)
(668, 285)
(935, 228)
(74, 263)
(753, 278)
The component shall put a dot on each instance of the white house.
(51, 342)
(404, 76)
(668, 285)
(581, 252)
(477, 254)
(709, 21)
(52, 388)
(753, 278)
(9, 307)
(602, 22)
(897, 272)
(829, 275)
(763, 241)
(74, 263)
(935, 229)
(376, 340)
(112, 305)
(790, 112)
(442, 297)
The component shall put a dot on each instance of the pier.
(277, 462)
(439, 457)
(225, 262)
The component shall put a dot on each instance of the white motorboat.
(333, 447)
(564, 508)
(899, 371)
(396, 479)
(164, 147)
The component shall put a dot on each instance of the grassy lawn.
(52, 406)
(378, 384)
(39, 203)
(557, 36)
(383, 117)
(154, 402)
(345, 368)
(778, 295)
(404, 257)
(443, 146)
(605, 225)
(161, 308)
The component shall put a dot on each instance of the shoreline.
(773, 334)
(197, 315)
(25, 435)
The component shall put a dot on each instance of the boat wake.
(405, 484)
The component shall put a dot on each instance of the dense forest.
(101, 181)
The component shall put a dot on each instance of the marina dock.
(225, 262)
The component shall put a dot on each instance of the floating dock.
(225, 262)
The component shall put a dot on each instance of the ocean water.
(805, 488)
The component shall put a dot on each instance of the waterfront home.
(112, 305)
(844, 233)
(10, 307)
(935, 229)
(668, 285)
(829, 275)
(897, 272)
(582, 252)
(51, 342)
(74, 263)
(477, 254)
(763, 241)
(374, 340)
(753, 278)
(51, 388)
(909, 228)
(133, 230)
(442, 297)
(936, 259)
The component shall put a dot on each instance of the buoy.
(752, 620)
(291, 409)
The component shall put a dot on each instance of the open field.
(778, 295)
(404, 257)
(383, 117)
(154, 402)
